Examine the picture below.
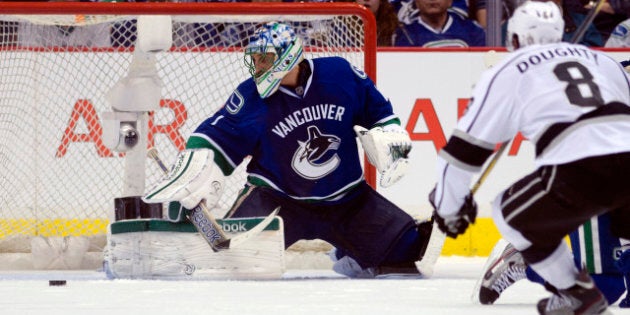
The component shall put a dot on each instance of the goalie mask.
(535, 22)
(278, 41)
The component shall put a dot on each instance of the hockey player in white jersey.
(572, 103)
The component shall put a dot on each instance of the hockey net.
(58, 61)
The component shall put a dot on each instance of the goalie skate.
(504, 267)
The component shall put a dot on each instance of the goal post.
(59, 61)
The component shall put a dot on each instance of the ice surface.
(300, 292)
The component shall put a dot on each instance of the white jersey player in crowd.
(572, 103)
(297, 119)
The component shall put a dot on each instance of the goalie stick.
(432, 253)
(436, 242)
(207, 225)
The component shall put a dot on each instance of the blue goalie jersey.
(301, 140)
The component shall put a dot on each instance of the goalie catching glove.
(387, 148)
(455, 224)
(193, 178)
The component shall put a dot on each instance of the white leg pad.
(170, 254)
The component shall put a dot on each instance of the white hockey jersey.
(570, 101)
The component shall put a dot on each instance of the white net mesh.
(59, 179)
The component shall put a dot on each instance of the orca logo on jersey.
(305, 159)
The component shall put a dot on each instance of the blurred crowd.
(449, 23)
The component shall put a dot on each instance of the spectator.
(36, 35)
(479, 12)
(386, 20)
(574, 14)
(62, 36)
(437, 27)
(610, 15)
(212, 34)
(460, 7)
(8, 32)
(408, 11)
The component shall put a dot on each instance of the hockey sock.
(533, 276)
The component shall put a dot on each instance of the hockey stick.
(432, 253)
(436, 242)
(208, 226)
(486, 171)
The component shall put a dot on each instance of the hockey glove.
(456, 224)
(194, 178)
(387, 149)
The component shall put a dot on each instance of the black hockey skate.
(581, 299)
(504, 267)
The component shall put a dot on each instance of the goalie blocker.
(193, 180)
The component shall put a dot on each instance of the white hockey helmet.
(535, 22)
(279, 39)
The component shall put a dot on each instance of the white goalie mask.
(535, 22)
(280, 40)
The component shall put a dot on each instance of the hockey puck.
(56, 283)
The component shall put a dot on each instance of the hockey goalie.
(296, 119)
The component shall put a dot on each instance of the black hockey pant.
(553, 201)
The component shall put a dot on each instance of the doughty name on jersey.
(540, 57)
